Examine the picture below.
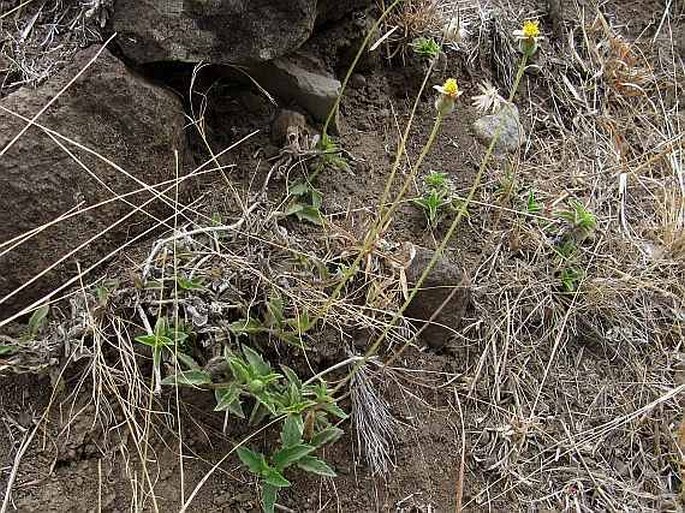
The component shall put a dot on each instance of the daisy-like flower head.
(528, 36)
(449, 92)
(531, 29)
(489, 99)
(449, 88)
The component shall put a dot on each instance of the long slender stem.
(352, 67)
(414, 171)
(450, 232)
(405, 136)
(373, 232)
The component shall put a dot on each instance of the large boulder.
(215, 31)
(219, 31)
(120, 116)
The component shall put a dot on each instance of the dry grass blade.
(376, 428)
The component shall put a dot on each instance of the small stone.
(223, 499)
(435, 290)
(357, 80)
(511, 133)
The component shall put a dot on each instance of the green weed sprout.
(37, 322)
(329, 156)
(533, 206)
(275, 323)
(437, 180)
(162, 338)
(570, 278)
(582, 222)
(426, 47)
(304, 412)
(436, 197)
(305, 203)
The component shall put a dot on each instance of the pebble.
(357, 80)
(511, 133)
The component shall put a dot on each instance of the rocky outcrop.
(134, 124)
(215, 31)
(301, 80)
(333, 10)
(219, 31)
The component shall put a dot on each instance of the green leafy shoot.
(438, 181)
(581, 221)
(570, 278)
(276, 323)
(533, 206)
(275, 316)
(566, 250)
(330, 156)
(189, 284)
(247, 327)
(190, 378)
(305, 203)
(437, 196)
(162, 338)
(432, 203)
(8, 350)
(506, 187)
(303, 410)
(302, 322)
(216, 219)
(271, 470)
(103, 291)
(37, 321)
(426, 47)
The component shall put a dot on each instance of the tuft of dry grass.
(37, 38)
(578, 388)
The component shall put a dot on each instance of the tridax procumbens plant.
(305, 413)
(426, 47)
(578, 225)
(436, 197)
(275, 323)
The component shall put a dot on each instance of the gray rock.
(511, 134)
(215, 31)
(442, 280)
(107, 109)
(301, 79)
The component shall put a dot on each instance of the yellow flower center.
(531, 29)
(451, 88)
